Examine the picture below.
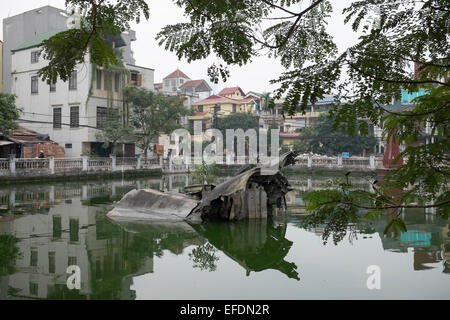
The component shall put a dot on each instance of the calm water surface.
(45, 228)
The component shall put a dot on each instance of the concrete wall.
(148, 76)
(20, 28)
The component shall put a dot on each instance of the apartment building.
(21, 27)
(73, 112)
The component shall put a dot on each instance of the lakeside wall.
(50, 169)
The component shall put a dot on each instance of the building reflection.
(63, 225)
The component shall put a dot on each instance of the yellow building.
(230, 100)
(1, 66)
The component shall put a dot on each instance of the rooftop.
(231, 91)
(177, 74)
(192, 83)
(215, 98)
(37, 40)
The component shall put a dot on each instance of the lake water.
(53, 226)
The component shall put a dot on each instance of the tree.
(364, 79)
(114, 130)
(152, 114)
(239, 120)
(8, 113)
(323, 139)
(205, 173)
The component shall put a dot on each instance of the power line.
(62, 124)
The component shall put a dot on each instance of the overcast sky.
(252, 77)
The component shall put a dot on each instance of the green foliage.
(364, 79)
(239, 120)
(8, 113)
(205, 173)
(323, 139)
(152, 114)
(114, 130)
(204, 257)
(100, 20)
(9, 252)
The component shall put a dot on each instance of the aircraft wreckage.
(249, 195)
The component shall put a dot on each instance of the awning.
(5, 143)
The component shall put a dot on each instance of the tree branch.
(396, 81)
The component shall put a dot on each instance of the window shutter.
(139, 84)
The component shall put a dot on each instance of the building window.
(72, 261)
(134, 78)
(35, 56)
(73, 81)
(51, 262)
(181, 81)
(101, 116)
(74, 117)
(73, 229)
(33, 258)
(68, 146)
(117, 82)
(57, 118)
(166, 83)
(57, 229)
(52, 86)
(33, 288)
(200, 108)
(234, 108)
(34, 84)
(108, 81)
(99, 79)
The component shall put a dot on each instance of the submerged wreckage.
(249, 195)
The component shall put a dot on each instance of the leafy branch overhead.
(365, 79)
(100, 19)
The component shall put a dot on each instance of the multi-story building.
(229, 100)
(20, 28)
(173, 82)
(72, 113)
(1, 66)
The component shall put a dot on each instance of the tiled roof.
(215, 98)
(177, 74)
(37, 40)
(192, 83)
(230, 91)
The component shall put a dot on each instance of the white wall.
(39, 107)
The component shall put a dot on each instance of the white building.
(72, 112)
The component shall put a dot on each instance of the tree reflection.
(9, 252)
(336, 223)
(204, 257)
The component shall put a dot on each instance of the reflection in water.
(256, 245)
(46, 228)
(204, 257)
